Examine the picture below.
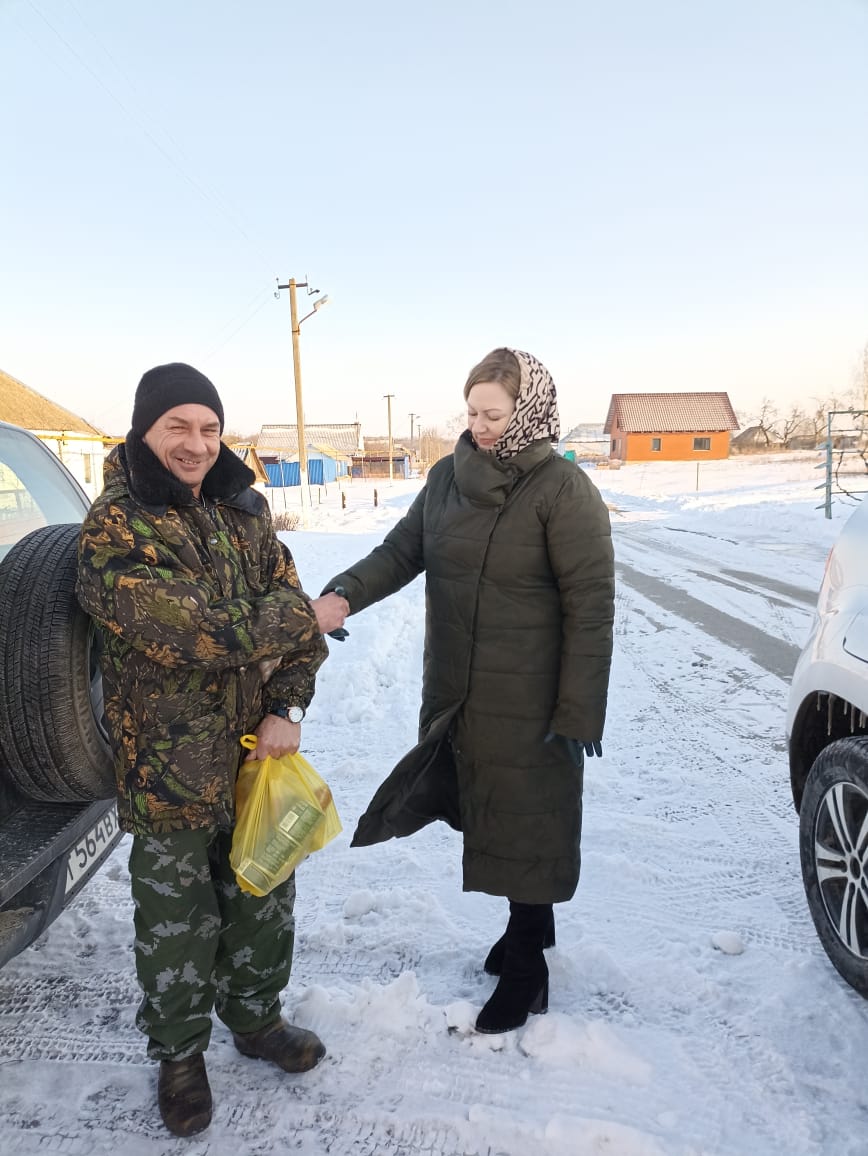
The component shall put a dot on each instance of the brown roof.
(671, 412)
(21, 405)
(344, 438)
(250, 457)
(754, 436)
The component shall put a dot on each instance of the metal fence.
(845, 456)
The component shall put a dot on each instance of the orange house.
(669, 427)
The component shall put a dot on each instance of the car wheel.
(53, 738)
(833, 841)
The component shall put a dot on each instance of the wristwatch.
(293, 714)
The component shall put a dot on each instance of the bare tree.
(433, 446)
(456, 425)
(790, 425)
(817, 419)
(765, 420)
(857, 396)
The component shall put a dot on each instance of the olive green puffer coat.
(518, 642)
(198, 603)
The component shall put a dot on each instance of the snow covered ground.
(692, 1010)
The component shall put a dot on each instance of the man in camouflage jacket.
(207, 636)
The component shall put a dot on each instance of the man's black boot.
(184, 1095)
(523, 988)
(494, 960)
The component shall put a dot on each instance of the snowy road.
(658, 1042)
(693, 576)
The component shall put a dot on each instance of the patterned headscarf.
(536, 409)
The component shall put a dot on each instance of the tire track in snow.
(654, 1021)
(711, 740)
(771, 653)
(658, 558)
(712, 813)
(681, 679)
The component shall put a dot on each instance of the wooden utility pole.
(299, 408)
(292, 285)
(388, 397)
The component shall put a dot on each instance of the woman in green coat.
(516, 548)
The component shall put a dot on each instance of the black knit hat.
(166, 386)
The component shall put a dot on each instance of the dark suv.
(58, 821)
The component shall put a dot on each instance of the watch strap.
(282, 710)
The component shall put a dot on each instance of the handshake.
(331, 610)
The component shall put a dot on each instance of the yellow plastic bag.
(284, 811)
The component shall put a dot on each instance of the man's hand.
(275, 737)
(330, 611)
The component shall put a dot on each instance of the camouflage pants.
(203, 943)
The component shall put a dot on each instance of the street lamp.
(316, 305)
(292, 285)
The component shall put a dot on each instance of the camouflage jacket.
(198, 602)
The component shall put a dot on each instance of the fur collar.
(156, 488)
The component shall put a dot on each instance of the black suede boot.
(494, 960)
(184, 1095)
(523, 988)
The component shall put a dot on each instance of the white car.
(827, 732)
(58, 819)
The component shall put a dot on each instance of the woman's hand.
(330, 611)
(577, 746)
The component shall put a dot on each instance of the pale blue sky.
(668, 195)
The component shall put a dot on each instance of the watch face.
(295, 714)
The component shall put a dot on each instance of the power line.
(139, 118)
(266, 294)
(207, 196)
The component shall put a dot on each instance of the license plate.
(91, 847)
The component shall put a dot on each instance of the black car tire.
(832, 817)
(53, 741)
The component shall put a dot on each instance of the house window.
(702, 443)
(655, 445)
(614, 449)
